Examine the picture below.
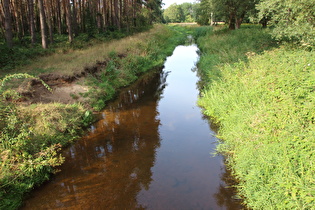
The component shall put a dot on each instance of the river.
(150, 150)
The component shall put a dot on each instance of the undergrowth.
(265, 106)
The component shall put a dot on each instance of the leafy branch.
(21, 76)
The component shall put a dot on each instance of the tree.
(174, 14)
(292, 20)
(8, 23)
(232, 11)
(19, 18)
(69, 20)
(42, 23)
(31, 20)
(204, 12)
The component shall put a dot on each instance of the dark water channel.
(150, 150)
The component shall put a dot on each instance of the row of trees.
(20, 18)
(185, 12)
(292, 20)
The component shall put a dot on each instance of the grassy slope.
(265, 105)
(31, 136)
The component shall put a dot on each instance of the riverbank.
(262, 96)
(36, 126)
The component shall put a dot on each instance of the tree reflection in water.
(109, 166)
(136, 158)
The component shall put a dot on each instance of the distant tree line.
(291, 20)
(181, 13)
(20, 18)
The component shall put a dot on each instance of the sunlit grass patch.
(74, 61)
(266, 111)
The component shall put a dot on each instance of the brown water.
(150, 150)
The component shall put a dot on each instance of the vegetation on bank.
(263, 100)
(31, 136)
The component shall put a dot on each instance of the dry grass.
(74, 62)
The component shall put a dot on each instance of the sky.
(169, 2)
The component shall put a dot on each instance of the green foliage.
(19, 76)
(225, 10)
(19, 55)
(30, 139)
(292, 20)
(174, 14)
(265, 107)
(185, 12)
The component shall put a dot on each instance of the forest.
(27, 17)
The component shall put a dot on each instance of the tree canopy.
(185, 12)
(232, 12)
(292, 20)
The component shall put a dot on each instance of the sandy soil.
(65, 90)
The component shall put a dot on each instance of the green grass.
(221, 46)
(23, 53)
(265, 106)
(30, 139)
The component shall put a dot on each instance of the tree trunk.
(69, 21)
(58, 11)
(8, 23)
(104, 14)
(239, 20)
(83, 28)
(238, 23)
(50, 25)
(42, 23)
(31, 21)
(264, 22)
(232, 21)
(75, 19)
(16, 8)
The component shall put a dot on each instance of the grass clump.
(30, 139)
(265, 107)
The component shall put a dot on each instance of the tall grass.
(265, 105)
(69, 62)
(220, 46)
(30, 139)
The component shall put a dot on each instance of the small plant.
(19, 76)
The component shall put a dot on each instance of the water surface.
(150, 150)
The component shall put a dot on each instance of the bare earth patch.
(64, 90)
